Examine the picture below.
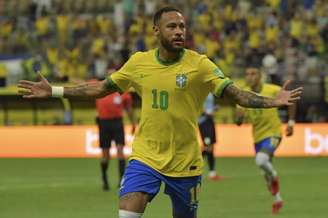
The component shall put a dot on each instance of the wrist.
(276, 103)
(291, 123)
(57, 91)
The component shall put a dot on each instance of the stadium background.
(71, 41)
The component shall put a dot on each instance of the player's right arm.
(222, 86)
(252, 100)
(43, 89)
(116, 82)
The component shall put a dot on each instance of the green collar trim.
(166, 63)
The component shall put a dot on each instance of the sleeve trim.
(220, 90)
(111, 85)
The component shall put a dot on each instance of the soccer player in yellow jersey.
(266, 130)
(173, 83)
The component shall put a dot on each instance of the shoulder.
(194, 57)
(139, 55)
(191, 54)
(138, 58)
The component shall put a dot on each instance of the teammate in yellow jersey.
(173, 83)
(266, 131)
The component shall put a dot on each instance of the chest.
(170, 79)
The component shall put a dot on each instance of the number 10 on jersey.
(160, 99)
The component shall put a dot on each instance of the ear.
(156, 30)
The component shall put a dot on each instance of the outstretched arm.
(43, 89)
(252, 100)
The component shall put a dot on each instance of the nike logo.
(143, 76)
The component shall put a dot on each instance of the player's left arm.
(252, 100)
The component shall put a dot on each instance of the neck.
(168, 56)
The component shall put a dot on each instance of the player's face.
(171, 31)
(253, 77)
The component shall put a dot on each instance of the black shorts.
(207, 131)
(110, 130)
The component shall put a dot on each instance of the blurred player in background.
(266, 130)
(111, 128)
(173, 83)
(206, 126)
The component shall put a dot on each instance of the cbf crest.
(181, 81)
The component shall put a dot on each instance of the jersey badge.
(181, 80)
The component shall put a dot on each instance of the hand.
(133, 129)
(239, 116)
(41, 89)
(289, 130)
(288, 97)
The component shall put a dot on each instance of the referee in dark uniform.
(207, 131)
(111, 129)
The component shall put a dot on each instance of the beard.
(169, 46)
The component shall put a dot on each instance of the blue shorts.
(269, 144)
(183, 191)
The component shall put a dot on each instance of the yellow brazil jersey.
(266, 122)
(172, 99)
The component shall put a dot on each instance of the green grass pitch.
(71, 188)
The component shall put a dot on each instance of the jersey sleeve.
(213, 77)
(122, 79)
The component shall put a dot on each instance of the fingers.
(26, 93)
(295, 94)
(299, 89)
(286, 84)
(26, 82)
(293, 99)
(289, 131)
(24, 86)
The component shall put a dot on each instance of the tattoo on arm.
(77, 91)
(256, 101)
(248, 99)
(88, 90)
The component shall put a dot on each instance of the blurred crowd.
(78, 39)
(73, 40)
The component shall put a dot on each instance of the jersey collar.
(166, 63)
